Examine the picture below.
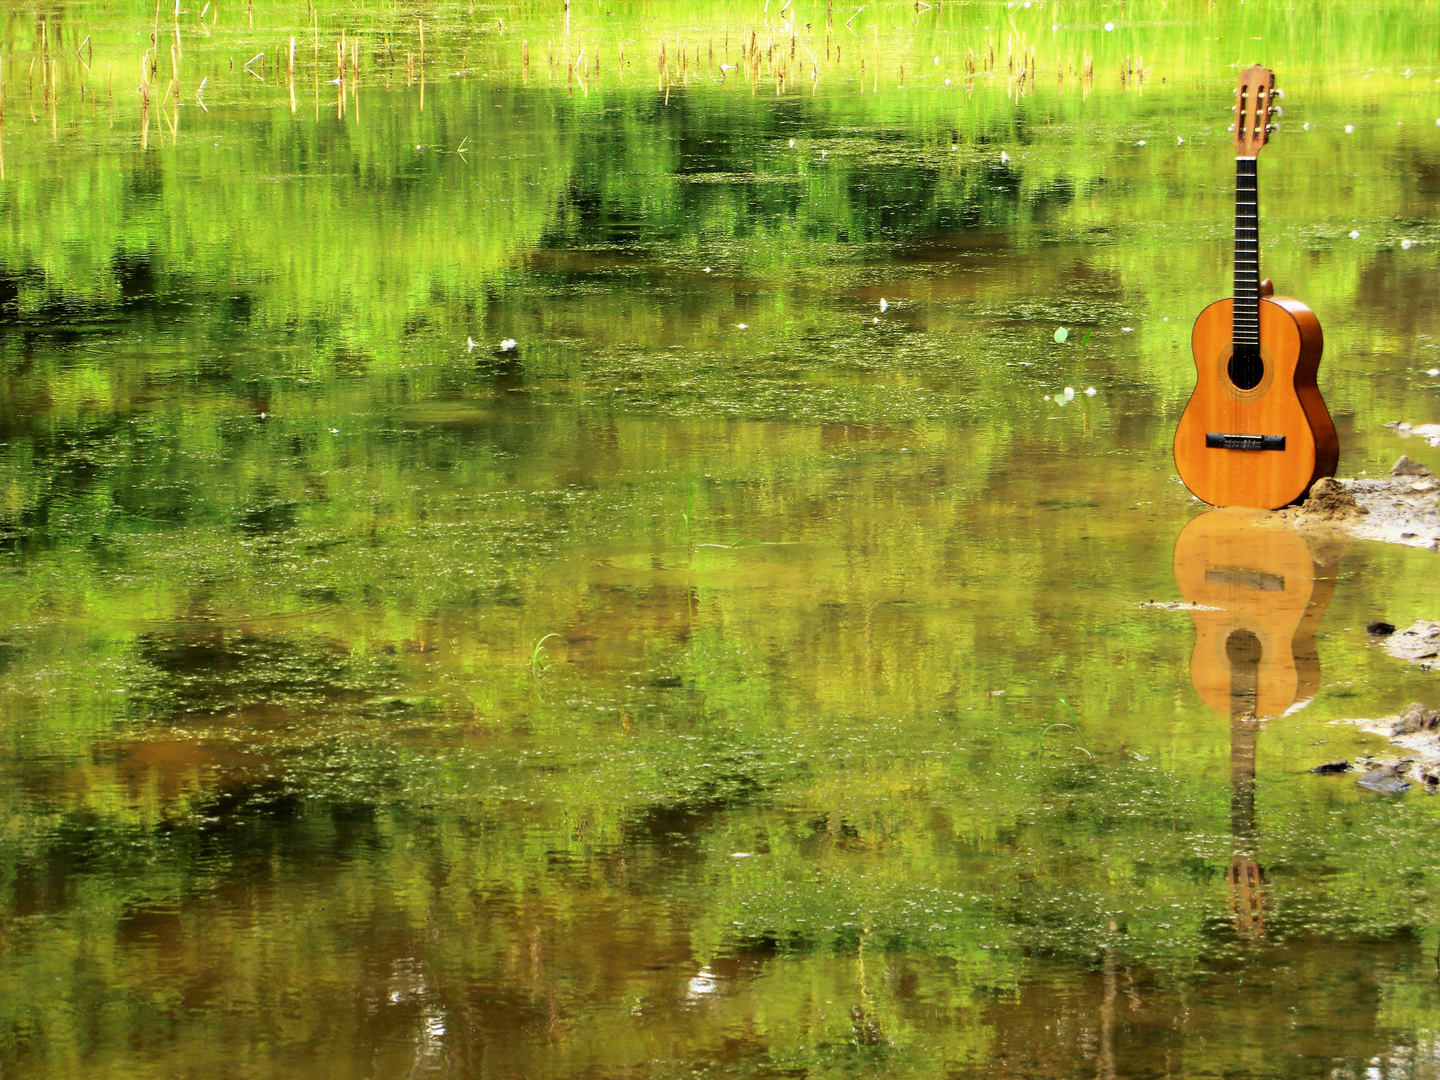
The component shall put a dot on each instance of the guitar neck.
(1247, 255)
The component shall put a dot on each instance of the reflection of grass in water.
(538, 663)
(771, 723)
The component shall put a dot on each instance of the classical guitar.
(1255, 432)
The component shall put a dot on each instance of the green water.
(734, 678)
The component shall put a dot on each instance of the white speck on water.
(947, 83)
(1054, 26)
(1140, 143)
(741, 854)
(953, 148)
(1354, 234)
(470, 344)
(884, 307)
(1406, 245)
(1069, 393)
(334, 431)
(507, 344)
(1089, 391)
(1179, 140)
(1109, 26)
(1349, 128)
(703, 983)
(1127, 329)
(792, 142)
(1004, 157)
(1047, 397)
(1306, 126)
(876, 319)
(937, 61)
(741, 326)
(1433, 372)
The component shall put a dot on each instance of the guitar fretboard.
(1247, 256)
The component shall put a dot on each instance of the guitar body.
(1286, 404)
(1255, 645)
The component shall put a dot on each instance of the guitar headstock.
(1253, 107)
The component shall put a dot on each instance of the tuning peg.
(1272, 127)
(1278, 93)
(1230, 128)
(1277, 110)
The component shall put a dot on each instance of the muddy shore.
(1402, 508)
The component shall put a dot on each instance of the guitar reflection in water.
(1258, 593)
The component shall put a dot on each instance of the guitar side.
(1287, 405)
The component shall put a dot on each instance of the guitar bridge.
(1216, 441)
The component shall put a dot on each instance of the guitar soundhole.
(1246, 368)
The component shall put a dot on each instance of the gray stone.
(1383, 781)
(1408, 467)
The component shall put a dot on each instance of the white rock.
(1069, 393)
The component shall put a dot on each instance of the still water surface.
(740, 676)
